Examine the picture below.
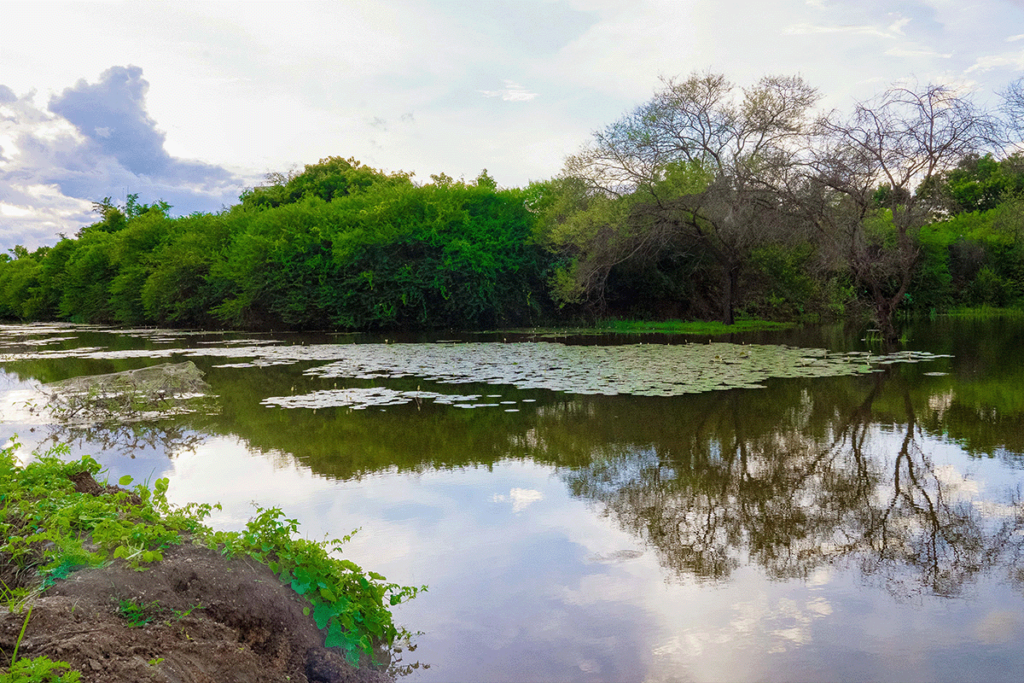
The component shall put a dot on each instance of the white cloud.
(58, 160)
(12, 211)
(911, 51)
(512, 92)
(990, 62)
(520, 498)
(897, 26)
(810, 29)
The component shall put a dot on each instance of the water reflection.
(812, 486)
(127, 439)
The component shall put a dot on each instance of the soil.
(201, 618)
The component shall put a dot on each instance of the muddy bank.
(195, 617)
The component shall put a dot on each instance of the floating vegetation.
(360, 399)
(8, 332)
(258, 363)
(637, 369)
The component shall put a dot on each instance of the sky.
(191, 102)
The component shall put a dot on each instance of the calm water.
(862, 527)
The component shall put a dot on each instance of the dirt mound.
(195, 617)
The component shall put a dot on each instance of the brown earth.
(210, 620)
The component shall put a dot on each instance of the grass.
(695, 327)
(982, 313)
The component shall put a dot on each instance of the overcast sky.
(190, 102)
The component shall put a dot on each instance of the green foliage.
(342, 245)
(46, 522)
(710, 328)
(394, 255)
(328, 179)
(18, 278)
(179, 289)
(88, 273)
(983, 313)
(973, 259)
(978, 183)
(136, 614)
(40, 670)
(351, 605)
(785, 285)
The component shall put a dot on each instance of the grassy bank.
(57, 520)
(983, 313)
(692, 327)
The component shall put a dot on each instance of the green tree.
(328, 179)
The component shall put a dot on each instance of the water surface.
(613, 508)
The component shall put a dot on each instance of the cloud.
(989, 62)
(112, 114)
(913, 51)
(520, 498)
(512, 92)
(897, 26)
(93, 140)
(812, 29)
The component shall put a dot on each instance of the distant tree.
(978, 183)
(902, 140)
(114, 217)
(485, 180)
(327, 179)
(1013, 108)
(694, 169)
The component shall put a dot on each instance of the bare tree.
(1013, 109)
(695, 165)
(865, 170)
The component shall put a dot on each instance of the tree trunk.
(729, 281)
(885, 311)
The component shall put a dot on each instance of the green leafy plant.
(351, 605)
(40, 670)
(46, 520)
(136, 614)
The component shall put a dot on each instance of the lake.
(785, 506)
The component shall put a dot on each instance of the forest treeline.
(705, 202)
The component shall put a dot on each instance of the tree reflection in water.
(792, 500)
(129, 438)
